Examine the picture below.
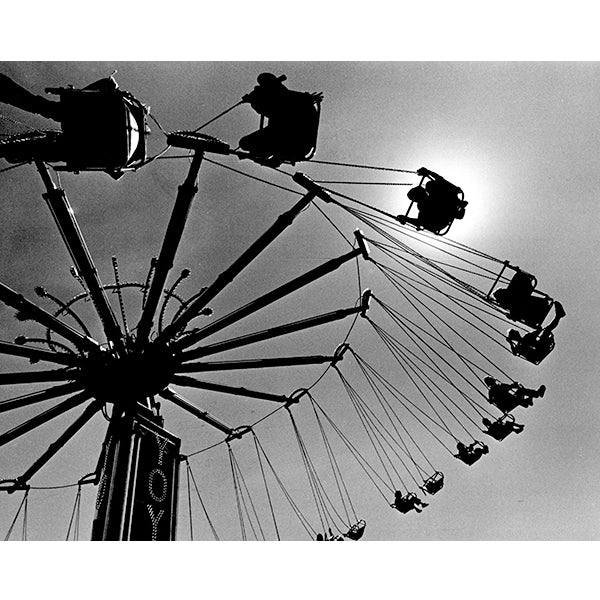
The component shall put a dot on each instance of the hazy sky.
(519, 138)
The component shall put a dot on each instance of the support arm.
(227, 276)
(33, 311)
(53, 392)
(185, 381)
(44, 417)
(180, 401)
(183, 203)
(36, 354)
(69, 229)
(69, 432)
(259, 363)
(37, 376)
(274, 295)
(273, 332)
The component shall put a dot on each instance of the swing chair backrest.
(535, 354)
(521, 284)
(434, 483)
(314, 129)
(506, 419)
(308, 131)
(102, 129)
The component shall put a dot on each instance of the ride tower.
(137, 472)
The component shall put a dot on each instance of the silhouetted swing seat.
(290, 134)
(502, 427)
(432, 485)
(533, 346)
(507, 396)
(522, 302)
(438, 201)
(536, 345)
(406, 503)
(102, 128)
(357, 530)
(472, 453)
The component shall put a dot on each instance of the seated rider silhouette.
(472, 453)
(502, 427)
(14, 94)
(408, 502)
(518, 299)
(438, 201)
(536, 345)
(356, 531)
(290, 134)
(507, 396)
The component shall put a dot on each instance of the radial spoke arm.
(37, 376)
(49, 394)
(35, 354)
(173, 235)
(274, 332)
(259, 363)
(69, 432)
(69, 229)
(180, 401)
(44, 417)
(227, 276)
(31, 310)
(226, 389)
(274, 295)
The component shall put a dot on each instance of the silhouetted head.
(489, 381)
(513, 334)
(434, 186)
(270, 80)
(417, 194)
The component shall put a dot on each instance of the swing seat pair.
(102, 129)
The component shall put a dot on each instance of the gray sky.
(519, 138)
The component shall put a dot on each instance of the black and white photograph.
(300, 300)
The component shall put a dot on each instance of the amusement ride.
(423, 323)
